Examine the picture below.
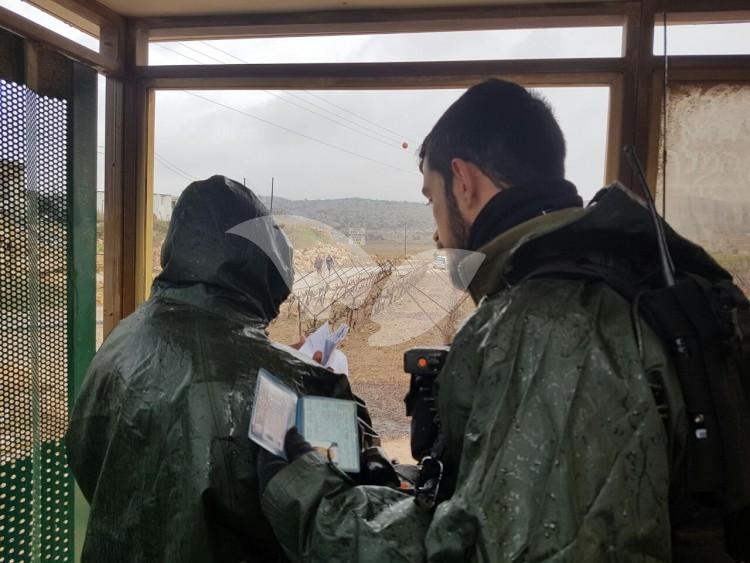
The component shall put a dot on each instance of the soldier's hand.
(268, 464)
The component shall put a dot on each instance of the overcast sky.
(310, 156)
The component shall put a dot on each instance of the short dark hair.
(509, 133)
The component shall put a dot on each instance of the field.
(395, 249)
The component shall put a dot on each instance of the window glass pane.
(584, 42)
(51, 22)
(100, 140)
(704, 39)
(347, 159)
(707, 191)
(338, 144)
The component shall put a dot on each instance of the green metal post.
(82, 252)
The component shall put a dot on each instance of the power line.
(171, 166)
(178, 53)
(363, 118)
(176, 172)
(379, 140)
(398, 135)
(186, 46)
(316, 96)
(367, 131)
(287, 129)
(389, 142)
(174, 168)
(303, 135)
(164, 162)
(227, 53)
(383, 138)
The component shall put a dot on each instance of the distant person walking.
(329, 263)
(318, 264)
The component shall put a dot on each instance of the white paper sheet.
(274, 412)
(325, 342)
(338, 362)
(315, 342)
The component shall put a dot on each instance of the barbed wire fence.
(356, 292)
(343, 293)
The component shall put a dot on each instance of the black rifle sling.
(681, 316)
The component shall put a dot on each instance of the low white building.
(163, 206)
(358, 235)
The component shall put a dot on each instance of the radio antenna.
(665, 258)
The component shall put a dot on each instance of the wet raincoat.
(158, 437)
(554, 445)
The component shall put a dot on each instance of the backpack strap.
(681, 316)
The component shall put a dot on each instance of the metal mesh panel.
(35, 488)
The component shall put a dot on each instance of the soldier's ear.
(468, 187)
(464, 185)
(472, 188)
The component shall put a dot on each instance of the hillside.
(384, 220)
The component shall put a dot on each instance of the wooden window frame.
(91, 18)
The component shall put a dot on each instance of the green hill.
(383, 220)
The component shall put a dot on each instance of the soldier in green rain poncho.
(158, 437)
(555, 448)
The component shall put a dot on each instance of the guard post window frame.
(631, 79)
(608, 72)
(635, 82)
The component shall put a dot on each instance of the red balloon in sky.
(405, 145)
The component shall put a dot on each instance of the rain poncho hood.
(256, 277)
(158, 436)
(554, 447)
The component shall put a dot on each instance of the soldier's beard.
(459, 233)
(458, 226)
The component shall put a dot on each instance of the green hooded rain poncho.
(158, 436)
(555, 449)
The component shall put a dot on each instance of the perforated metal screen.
(35, 488)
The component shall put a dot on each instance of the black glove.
(377, 469)
(269, 465)
(295, 444)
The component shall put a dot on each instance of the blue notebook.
(324, 422)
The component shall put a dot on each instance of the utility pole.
(271, 195)
(243, 181)
(404, 240)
